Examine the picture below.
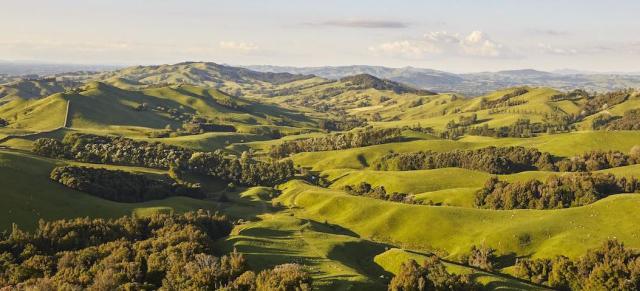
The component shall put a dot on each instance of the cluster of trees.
(598, 160)
(609, 267)
(123, 151)
(522, 128)
(199, 125)
(3, 122)
(482, 257)
(243, 170)
(603, 101)
(576, 94)
(503, 101)
(463, 121)
(629, 121)
(367, 190)
(495, 160)
(170, 252)
(555, 192)
(506, 160)
(431, 275)
(112, 150)
(338, 141)
(121, 186)
(343, 124)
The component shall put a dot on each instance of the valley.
(350, 177)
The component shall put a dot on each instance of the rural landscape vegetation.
(199, 175)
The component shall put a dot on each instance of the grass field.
(564, 145)
(393, 258)
(28, 195)
(454, 229)
(347, 242)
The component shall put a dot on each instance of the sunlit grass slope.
(28, 195)
(455, 229)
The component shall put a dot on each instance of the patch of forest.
(167, 252)
(337, 141)
(609, 267)
(555, 192)
(506, 160)
(121, 186)
(124, 151)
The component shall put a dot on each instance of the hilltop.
(472, 84)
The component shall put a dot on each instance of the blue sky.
(459, 36)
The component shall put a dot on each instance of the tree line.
(367, 190)
(337, 141)
(522, 128)
(555, 192)
(629, 121)
(124, 151)
(121, 186)
(495, 160)
(167, 252)
(431, 275)
(504, 100)
(609, 267)
(506, 160)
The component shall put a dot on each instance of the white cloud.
(362, 23)
(243, 47)
(475, 44)
(549, 49)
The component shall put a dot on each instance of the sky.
(453, 35)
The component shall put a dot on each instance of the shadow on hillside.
(359, 256)
(331, 228)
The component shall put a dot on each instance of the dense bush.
(504, 100)
(346, 123)
(112, 150)
(629, 121)
(556, 192)
(124, 151)
(166, 252)
(610, 267)
(504, 160)
(603, 101)
(596, 160)
(496, 160)
(365, 189)
(482, 257)
(120, 186)
(337, 141)
(107, 254)
(522, 128)
(243, 171)
(432, 275)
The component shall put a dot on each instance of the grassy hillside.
(563, 145)
(33, 89)
(28, 195)
(453, 229)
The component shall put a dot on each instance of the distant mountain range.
(21, 68)
(216, 75)
(472, 84)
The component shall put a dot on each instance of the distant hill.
(46, 69)
(366, 81)
(34, 88)
(197, 73)
(473, 84)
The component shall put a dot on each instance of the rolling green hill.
(348, 242)
(568, 232)
(28, 195)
